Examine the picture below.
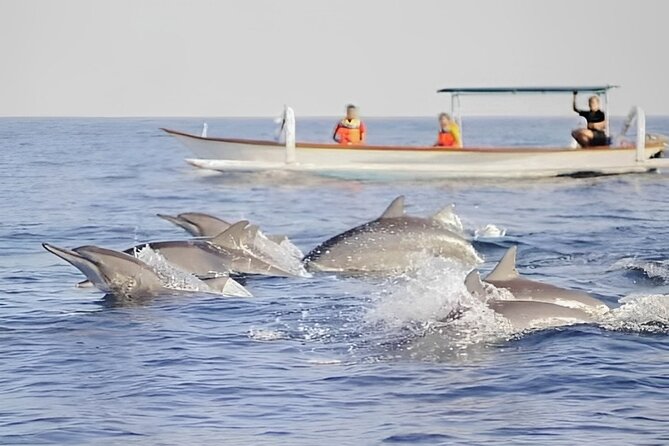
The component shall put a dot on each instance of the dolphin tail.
(506, 268)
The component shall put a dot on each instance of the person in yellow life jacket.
(350, 130)
(449, 132)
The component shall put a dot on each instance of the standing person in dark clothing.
(595, 133)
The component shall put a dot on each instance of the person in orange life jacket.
(449, 132)
(350, 130)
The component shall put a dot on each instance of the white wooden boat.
(369, 161)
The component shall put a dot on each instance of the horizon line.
(297, 117)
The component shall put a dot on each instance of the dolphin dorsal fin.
(506, 268)
(395, 209)
(237, 235)
(449, 218)
(474, 285)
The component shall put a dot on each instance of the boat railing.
(288, 130)
(638, 116)
(640, 134)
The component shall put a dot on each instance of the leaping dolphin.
(389, 243)
(534, 304)
(126, 276)
(527, 313)
(229, 252)
(506, 276)
(200, 224)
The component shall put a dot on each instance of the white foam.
(324, 361)
(640, 313)
(266, 335)
(424, 302)
(176, 279)
(489, 231)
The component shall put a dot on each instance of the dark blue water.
(327, 360)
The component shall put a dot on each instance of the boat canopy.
(471, 91)
(598, 89)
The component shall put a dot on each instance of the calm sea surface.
(324, 360)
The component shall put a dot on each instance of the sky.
(249, 57)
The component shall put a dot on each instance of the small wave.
(652, 269)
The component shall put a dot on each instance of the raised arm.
(573, 103)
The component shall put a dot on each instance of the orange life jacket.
(445, 139)
(349, 132)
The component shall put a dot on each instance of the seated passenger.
(595, 133)
(350, 130)
(449, 132)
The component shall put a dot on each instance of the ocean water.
(327, 360)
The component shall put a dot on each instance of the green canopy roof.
(494, 90)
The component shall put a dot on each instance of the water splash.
(176, 279)
(291, 248)
(489, 231)
(282, 255)
(431, 313)
(640, 314)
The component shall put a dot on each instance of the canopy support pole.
(640, 135)
(608, 113)
(456, 112)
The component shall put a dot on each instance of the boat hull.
(234, 155)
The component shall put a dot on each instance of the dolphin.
(125, 276)
(528, 313)
(388, 244)
(228, 253)
(231, 251)
(199, 224)
(506, 276)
